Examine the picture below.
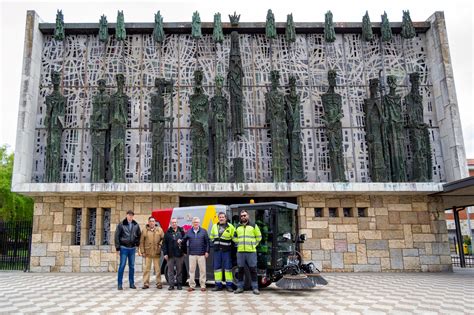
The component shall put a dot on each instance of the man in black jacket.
(127, 239)
(174, 251)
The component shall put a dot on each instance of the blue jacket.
(198, 243)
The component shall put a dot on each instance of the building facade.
(355, 225)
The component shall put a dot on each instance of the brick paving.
(347, 293)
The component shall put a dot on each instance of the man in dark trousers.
(174, 254)
(127, 239)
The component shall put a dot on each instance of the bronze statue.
(375, 135)
(332, 104)
(196, 26)
(218, 129)
(54, 124)
(217, 33)
(120, 32)
(157, 122)
(199, 104)
(103, 29)
(293, 120)
(99, 127)
(235, 82)
(270, 29)
(276, 118)
(234, 19)
(367, 34)
(408, 31)
(59, 29)
(118, 123)
(392, 106)
(329, 32)
(385, 28)
(290, 31)
(419, 133)
(158, 32)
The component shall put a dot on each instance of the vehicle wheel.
(235, 272)
(264, 284)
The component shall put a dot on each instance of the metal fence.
(457, 261)
(15, 245)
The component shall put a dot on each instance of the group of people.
(175, 244)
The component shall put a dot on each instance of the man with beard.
(247, 236)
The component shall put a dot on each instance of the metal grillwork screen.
(15, 245)
(106, 225)
(77, 224)
(83, 59)
(92, 218)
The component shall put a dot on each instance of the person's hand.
(117, 252)
(166, 257)
(206, 255)
(180, 241)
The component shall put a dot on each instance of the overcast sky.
(458, 14)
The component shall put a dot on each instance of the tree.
(13, 206)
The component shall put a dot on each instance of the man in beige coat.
(150, 248)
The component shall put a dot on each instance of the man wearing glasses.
(247, 236)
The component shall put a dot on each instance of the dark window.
(106, 225)
(77, 223)
(347, 212)
(362, 212)
(92, 218)
(318, 212)
(332, 212)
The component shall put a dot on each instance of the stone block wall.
(52, 248)
(374, 233)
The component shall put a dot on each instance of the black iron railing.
(15, 245)
(457, 261)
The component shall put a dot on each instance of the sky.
(458, 15)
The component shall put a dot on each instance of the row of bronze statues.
(407, 32)
(385, 130)
(210, 126)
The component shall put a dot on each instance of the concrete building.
(355, 226)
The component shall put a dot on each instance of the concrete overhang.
(228, 189)
(459, 193)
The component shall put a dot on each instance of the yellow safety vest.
(224, 241)
(247, 238)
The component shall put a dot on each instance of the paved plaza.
(347, 293)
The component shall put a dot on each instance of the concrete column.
(29, 92)
(84, 226)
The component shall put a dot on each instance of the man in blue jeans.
(127, 239)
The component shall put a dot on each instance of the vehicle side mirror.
(303, 237)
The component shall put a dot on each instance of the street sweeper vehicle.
(278, 257)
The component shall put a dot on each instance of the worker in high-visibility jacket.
(221, 238)
(247, 236)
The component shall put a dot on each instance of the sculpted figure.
(332, 104)
(199, 104)
(392, 107)
(276, 118)
(54, 123)
(99, 128)
(118, 123)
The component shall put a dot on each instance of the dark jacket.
(124, 236)
(198, 243)
(170, 244)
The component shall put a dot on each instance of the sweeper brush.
(295, 282)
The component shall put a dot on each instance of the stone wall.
(391, 233)
(397, 233)
(52, 248)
